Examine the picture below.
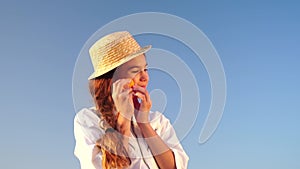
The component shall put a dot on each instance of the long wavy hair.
(114, 153)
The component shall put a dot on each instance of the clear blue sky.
(258, 44)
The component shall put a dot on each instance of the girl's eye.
(135, 71)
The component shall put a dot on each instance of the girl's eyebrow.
(132, 67)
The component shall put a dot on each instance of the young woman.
(121, 131)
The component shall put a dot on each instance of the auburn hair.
(114, 153)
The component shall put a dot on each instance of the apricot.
(131, 83)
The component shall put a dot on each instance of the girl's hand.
(142, 107)
(122, 96)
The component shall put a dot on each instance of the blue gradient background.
(258, 43)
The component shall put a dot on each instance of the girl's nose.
(144, 76)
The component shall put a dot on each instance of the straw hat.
(112, 51)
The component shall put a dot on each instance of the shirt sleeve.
(168, 134)
(86, 133)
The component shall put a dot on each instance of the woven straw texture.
(113, 50)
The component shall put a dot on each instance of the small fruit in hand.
(131, 83)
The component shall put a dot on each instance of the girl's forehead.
(139, 61)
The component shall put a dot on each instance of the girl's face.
(135, 69)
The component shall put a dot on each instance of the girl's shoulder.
(87, 117)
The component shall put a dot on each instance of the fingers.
(141, 93)
(125, 97)
(142, 113)
(140, 96)
(120, 85)
(122, 95)
(126, 94)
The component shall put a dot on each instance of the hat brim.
(100, 72)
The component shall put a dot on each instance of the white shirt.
(87, 132)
